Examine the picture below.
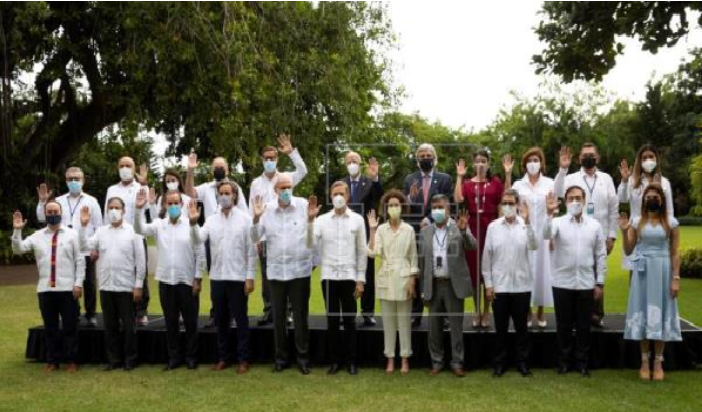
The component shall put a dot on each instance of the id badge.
(590, 209)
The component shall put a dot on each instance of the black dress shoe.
(279, 367)
(353, 369)
(171, 366)
(191, 365)
(369, 321)
(333, 369)
(524, 370)
(129, 367)
(265, 319)
(563, 369)
(210, 323)
(109, 368)
(498, 371)
(304, 368)
(416, 321)
(584, 372)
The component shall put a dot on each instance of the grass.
(24, 387)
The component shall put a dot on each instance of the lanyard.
(442, 242)
(591, 189)
(72, 210)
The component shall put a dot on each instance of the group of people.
(503, 246)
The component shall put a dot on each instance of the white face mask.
(352, 169)
(575, 208)
(126, 173)
(649, 165)
(533, 168)
(339, 202)
(115, 215)
(172, 186)
(509, 211)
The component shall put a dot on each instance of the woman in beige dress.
(394, 242)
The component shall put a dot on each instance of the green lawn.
(23, 385)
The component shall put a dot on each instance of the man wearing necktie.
(366, 192)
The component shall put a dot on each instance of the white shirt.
(155, 208)
(535, 196)
(342, 245)
(207, 193)
(579, 251)
(179, 261)
(70, 262)
(70, 212)
(599, 190)
(265, 187)
(505, 263)
(440, 246)
(634, 197)
(122, 263)
(288, 256)
(128, 194)
(232, 250)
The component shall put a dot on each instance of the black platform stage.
(609, 349)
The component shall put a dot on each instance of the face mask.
(352, 169)
(439, 215)
(575, 208)
(653, 205)
(115, 215)
(534, 168)
(509, 211)
(339, 202)
(426, 164)
(172, 186)
(270, 166)
(394, 212)
(74, 187)
(481, 168)
(126, 173)
(174, 211)
(219, 173)
(225, 201)
(53, 220)
(285, 196)
(649, 165)
(588, 162)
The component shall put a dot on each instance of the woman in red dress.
(481, 196)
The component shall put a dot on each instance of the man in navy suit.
(366, 192)
(419, 188)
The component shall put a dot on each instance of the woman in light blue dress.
(652, 313)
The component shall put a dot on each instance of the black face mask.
(589, 162)
(53, 220)
(653, 205)
(426, 164)
(219, 173)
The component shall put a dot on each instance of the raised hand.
(17, 222)
(462, 220)
(508, 164)
(44, 193)
(372, 220)
(141, 197)
(524, 211)
(312, 208)
(258, 207)
(192, 160)
(84, 216)
(152, 196)
(551, 203)
(284, 145)
(142, 176)
(373, 168)
(566, 157)
(414, 190)
(624, 222)
(624, 170)
(193, 211)
(461, 168)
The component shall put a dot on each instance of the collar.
(517, 221)
(347, 213)
(424, 175)
(355, 179)
(584, 174)
(279, 209)
(121, 226)
(61, 229)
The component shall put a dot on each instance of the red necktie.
(54, 243)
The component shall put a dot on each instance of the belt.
(442, 280)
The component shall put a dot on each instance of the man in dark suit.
(419, 188)
(366, 192)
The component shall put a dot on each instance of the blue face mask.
(53, 220)
(286, 196)
(439, 215)
(269, 166)
(74, 187)
(174, 211)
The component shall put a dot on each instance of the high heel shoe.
(645, 370)
(658, 373)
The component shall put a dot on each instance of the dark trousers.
(265, 283)
(142, 307)
(513, 306)
(178, 300)
(89, 289)
(340, 303)
(573, 308)
(368, 297)
(229, 300)
(61, 344)
(118, 307)
(208, 257)
(297, 292)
